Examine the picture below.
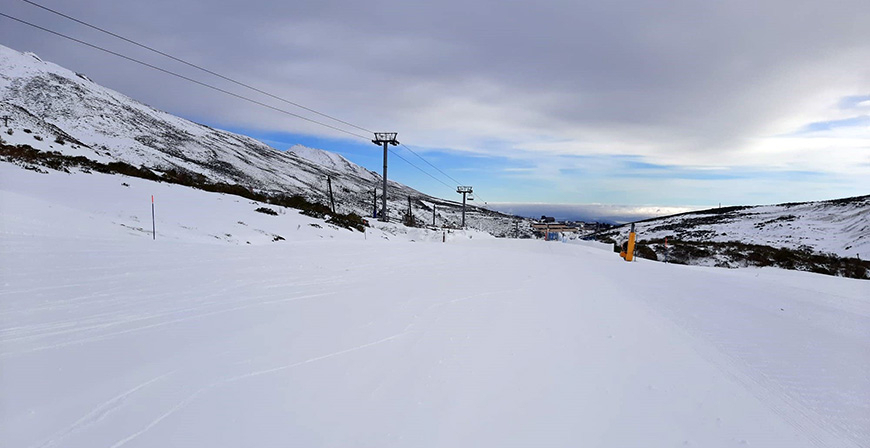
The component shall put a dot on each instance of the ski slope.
(391, 338)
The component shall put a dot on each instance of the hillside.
(238, 328)
(806, 236)
(51, 108)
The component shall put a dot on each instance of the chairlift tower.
(465, 191)
(385, 139)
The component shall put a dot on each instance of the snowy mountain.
(740, 236)
(51, 108)
(54, 109)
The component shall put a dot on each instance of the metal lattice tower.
(464, 190)
(385, 139)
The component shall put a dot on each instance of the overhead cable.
(218, 89)
(169, 72)
(198, 67)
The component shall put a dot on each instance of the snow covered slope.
(48, 104)
(329, 337)
(333, 161)
(840, 227)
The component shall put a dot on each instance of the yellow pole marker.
(628, 248)
(629, 252)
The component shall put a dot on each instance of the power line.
(218, 89)
(226, 78)
(169, 72)
(421, 169)
(439, 169)
(433, 166)
(430, 164)
(211, 72)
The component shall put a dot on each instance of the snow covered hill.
(333, 161)
(54, 109)
(721, 237)
(327, 337)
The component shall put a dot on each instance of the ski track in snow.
(110, 339)
(114, 334)
(189, 399)
(793, 391)
(98, 414)
(786, 394)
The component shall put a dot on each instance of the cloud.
(588, 212)
(689, 84)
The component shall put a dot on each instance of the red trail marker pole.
(666, 249)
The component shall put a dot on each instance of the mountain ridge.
(822, 236)
(52, 108)
(59, 105)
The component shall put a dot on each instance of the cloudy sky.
(676, 103)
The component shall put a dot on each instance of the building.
(551, 230)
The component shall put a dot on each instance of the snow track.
(328, 338)
(798, 349)
(97, 415)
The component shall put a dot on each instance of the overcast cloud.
(687, 84)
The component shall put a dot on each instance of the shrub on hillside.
(644, 251)
(184, 177)
(739, 253)
(348, 221)
(267, 211)
(126, 169)
(409, 220)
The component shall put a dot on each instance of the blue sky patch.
(852, 102)
(603, 178)
(858, 121)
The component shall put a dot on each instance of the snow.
(333, 161)
(837, 227)
(597, 244)
(104, 125)
(332, 337)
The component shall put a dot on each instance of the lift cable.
(227, 92)
(198, 67)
